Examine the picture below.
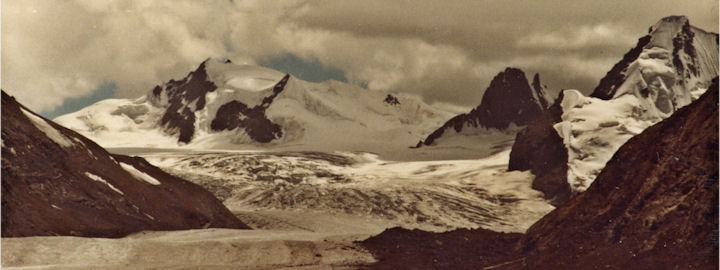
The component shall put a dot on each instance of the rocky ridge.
(509, 100)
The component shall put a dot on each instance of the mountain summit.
(223, 105)
(509, 100)
(668, 69)
(673, 59)
(183, 100)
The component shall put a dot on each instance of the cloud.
(436, 72)
(53, 50)
(446, 52)
(104, 91)
(306, 69)
(579, 37)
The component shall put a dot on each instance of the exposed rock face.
(654, 206)
(508, 100)
(236, 114)
(540, 91)
(456, 123)
(391, 100)
(57, 182)
(182, 99)
(654, 79)
(540, 149)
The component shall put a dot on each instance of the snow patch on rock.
(50, 131)
(139, 174)
(101, 180)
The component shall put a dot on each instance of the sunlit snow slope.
(228, 106)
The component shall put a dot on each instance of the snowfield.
(593, 129)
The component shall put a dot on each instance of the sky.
(60, 55)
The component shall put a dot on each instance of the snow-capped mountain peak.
(222, 105)
(663, 32)
(669, 63)
(508, 102)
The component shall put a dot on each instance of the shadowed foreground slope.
(57, 182)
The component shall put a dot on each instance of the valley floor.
(307, 209)
(192, 249)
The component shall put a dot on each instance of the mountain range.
(565, 144)
(229, 106)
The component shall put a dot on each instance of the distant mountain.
(224, 105)
(57, 182)
(668, 69)
(654, 206)
(508, 101)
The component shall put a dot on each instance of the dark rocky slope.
(57, 182)
(654, 206)
(508, 100)
(236, 114)
(540, 149)
(182, 99)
